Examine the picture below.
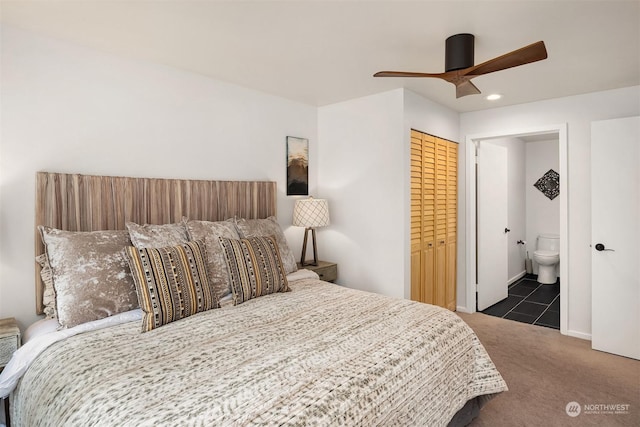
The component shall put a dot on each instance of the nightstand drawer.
(328, 271)
(9, 340)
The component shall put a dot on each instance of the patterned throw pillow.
(157, 236)
(172, 282)
(90, 276)
(269, 227)
(255, 267)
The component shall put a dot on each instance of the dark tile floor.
(530, 302)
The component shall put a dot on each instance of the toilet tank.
(549, 242)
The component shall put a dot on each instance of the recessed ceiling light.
(493, 97)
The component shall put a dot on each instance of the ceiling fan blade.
(406, 74)
(466, 88)
(525, 55)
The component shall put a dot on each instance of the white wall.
(361, 173)
(578, 112)
(364, 172)
(516, 203)
(70, 109)
(543, 214)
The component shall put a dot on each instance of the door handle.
(600, 247)
(506, 230)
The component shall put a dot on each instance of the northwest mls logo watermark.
(573, 409)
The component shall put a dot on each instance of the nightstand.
(9, 340)
(328, 271)
(9, 343)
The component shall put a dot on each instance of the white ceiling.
(325, 52)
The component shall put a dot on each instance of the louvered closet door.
(433, 219)
(422, 216)
(441, 222)
(416, 216)
(452, 223)
(428, 256)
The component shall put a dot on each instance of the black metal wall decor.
(549, 184)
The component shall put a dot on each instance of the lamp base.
(303, 261)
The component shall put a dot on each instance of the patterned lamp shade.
(311, 213)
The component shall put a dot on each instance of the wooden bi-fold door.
(434, 174)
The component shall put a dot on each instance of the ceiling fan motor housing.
(459, 52)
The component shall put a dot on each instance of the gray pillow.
(210, 232)
(157, 236)
(49, 293)
(91, 276)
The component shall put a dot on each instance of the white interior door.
(615, 235)
(492, 240)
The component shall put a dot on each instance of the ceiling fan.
(459, 68)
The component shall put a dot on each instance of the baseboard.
(580, 335)
(517, 277)
(463, 309)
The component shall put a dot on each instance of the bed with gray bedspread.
(320, 355)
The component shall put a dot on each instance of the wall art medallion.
(549, 184)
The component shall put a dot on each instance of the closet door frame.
(437, 256)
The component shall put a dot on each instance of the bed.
(299, 351)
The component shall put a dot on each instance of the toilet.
(547, 256)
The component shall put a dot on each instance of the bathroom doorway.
(530, 211)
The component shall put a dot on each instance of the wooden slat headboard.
(77, 202)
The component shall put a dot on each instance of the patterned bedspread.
(320, 355)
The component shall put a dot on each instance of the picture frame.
(297, 166)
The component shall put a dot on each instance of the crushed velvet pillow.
(157, 236)
(171, 282)
(49, 294)
(209, 232)
(269, 227)
(255, 267)
(90, 275)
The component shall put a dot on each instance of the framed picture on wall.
(297, 166)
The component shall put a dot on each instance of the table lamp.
(310, 213)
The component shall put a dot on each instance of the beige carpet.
(545, 371)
